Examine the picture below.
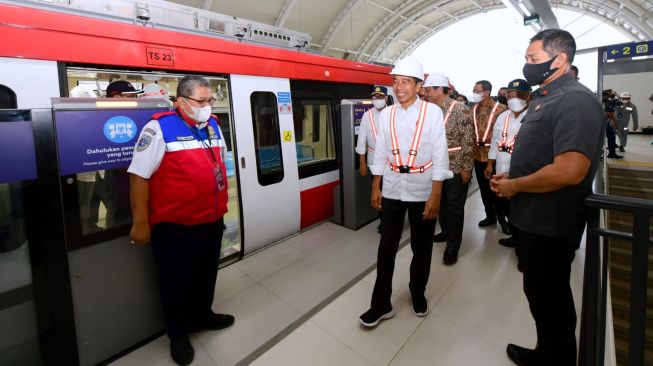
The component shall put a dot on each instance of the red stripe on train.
(317, 204)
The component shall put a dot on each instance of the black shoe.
(215, 322)
(521, 356)
(450, 256)
(181, 350)
(372, 317)
(441, 237)
(508, 242)
(615, 156)
(378, 229)
(420, 306)
(487, 222)
(505, 228)
(621, 148)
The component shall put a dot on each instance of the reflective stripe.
(372, 123)
(503, 145)
(191, 144)
(412, 170)
(370, 149)
(446, 119)
(454, 149)
(412, 153)
(488, 127)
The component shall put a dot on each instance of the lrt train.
(76, 286)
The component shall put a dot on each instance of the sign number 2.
(159, 56)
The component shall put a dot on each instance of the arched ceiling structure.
(382, 31)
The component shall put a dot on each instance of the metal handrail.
(595, 282)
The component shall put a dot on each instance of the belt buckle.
(480, 143)
(404, 169)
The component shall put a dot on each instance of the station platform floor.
(298, 303)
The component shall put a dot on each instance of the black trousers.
(612, 138)
(487, 196)
(452, 209)
(546, 262)
(187, 257)
(421, 243)
(502, 206)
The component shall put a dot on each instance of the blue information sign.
(18, 160)
(284, 103)
(90, 140)
(628, 50)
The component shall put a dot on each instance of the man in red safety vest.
(411, 156)
(179, 197)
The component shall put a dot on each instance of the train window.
(315, 143)
(267, 138)
(7, 98)
(103, 200)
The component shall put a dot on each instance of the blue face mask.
(536, 74)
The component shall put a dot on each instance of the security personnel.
(411, 155)
(368, 130)
(555, 158)
(179, 197)
(503, 141)
(460, 143)
(484, 115)
(622, 115)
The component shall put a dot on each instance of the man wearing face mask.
(484, 115)
(555, 157)
(458, 127)
(503, 140)
(179, 197)
(502, 96)
(622, 115)
(368, 131)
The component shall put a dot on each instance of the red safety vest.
(488, 127)
(373, 124)
(184, 189)
(446, 119)
(398, 166)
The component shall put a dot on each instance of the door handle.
(242, 162)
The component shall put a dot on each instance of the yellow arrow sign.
(614, 52)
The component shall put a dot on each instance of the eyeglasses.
(202, 103)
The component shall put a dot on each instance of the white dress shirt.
(415, 187)
(366, 137)
(502, 158)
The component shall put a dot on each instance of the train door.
(267, 157)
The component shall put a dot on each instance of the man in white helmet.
(458, 126)
(411, 156)
(622, 115)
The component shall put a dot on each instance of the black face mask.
(535, 74)
(502, 99)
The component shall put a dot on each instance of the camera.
(611, 101)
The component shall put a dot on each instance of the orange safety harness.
(398, 166)
(488, 128)
(373, 124)
(446, 119)
(504, 145)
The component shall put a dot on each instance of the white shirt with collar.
(502, 158)
(415, 187)
(366, 137)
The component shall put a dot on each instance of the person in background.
(184, 224)
(484, 115)
(574, 72)
(463, 99)
(460, 143)
(610, 106)
(502, 96)
(411, 156)
(503, 141)
(554, 161)
(622, 116)
(368, 131)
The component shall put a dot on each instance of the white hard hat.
(625, 95)
(81, 91)
(436, 79)
(154, 91)
(408, 67)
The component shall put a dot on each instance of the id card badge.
(219, 179)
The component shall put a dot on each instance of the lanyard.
(488, 127)
(204, 144)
